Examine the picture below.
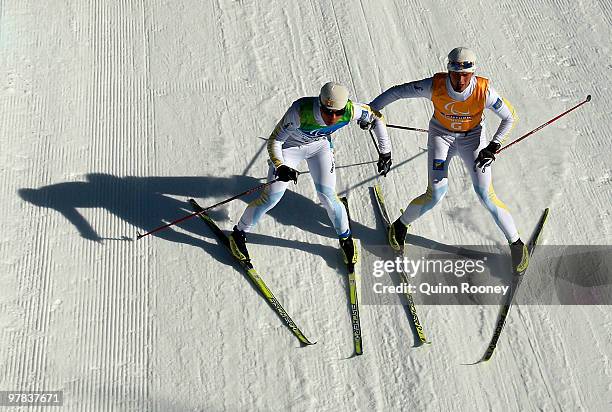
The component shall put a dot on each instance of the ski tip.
(138, 235)
(421, 343)
(484, 359)
(195, 205)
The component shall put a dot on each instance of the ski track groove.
(8, 366)
(32, 285)
(606, 8)
(147, 269)
(19, 338)
(116, 313)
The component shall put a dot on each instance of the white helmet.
(334, 96)
(461, 59)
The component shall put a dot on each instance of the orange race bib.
(455, 115)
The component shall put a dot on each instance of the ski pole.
(588, 99)
(246, 192)
(414, 129)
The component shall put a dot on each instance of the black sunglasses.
(331, 112)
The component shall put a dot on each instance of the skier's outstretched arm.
(419, 88)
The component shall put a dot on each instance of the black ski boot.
(520, 257)
(397, 235)
(349, 250)
(237, 241)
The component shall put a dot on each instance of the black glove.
(486, 156)
(285, 174)
(365, 124)
(384, 163)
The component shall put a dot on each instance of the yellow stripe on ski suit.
(514, 120)
(493, 197)
(270, 146)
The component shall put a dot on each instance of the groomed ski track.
(112, 114)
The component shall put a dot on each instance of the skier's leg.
(440, 150)
(439, 154)
(483, 186)
(269, 197)
(272, 194)
(468, 148)
(323, 171)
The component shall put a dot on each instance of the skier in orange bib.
(457, 127)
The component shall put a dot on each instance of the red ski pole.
(251, 190)
(588, 99)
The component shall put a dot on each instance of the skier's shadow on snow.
(148, 202)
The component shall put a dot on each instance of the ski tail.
(253, 276)
(534, 240)
(382, 208)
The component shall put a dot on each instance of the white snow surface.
(113, 113)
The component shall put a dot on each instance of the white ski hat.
(334, 96)
(461, 59)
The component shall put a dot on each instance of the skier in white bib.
(457, 127)
(304, 133)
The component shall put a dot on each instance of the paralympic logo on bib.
(316, 133)
(455, 114)
(324, 131)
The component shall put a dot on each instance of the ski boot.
(397, 235)
(520, 257)
(349, 250)
(237, 240)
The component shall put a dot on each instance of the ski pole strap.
(588, 99)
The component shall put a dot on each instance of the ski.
(516, 281)
(253, 276)
(380, 200)
(356, 323)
